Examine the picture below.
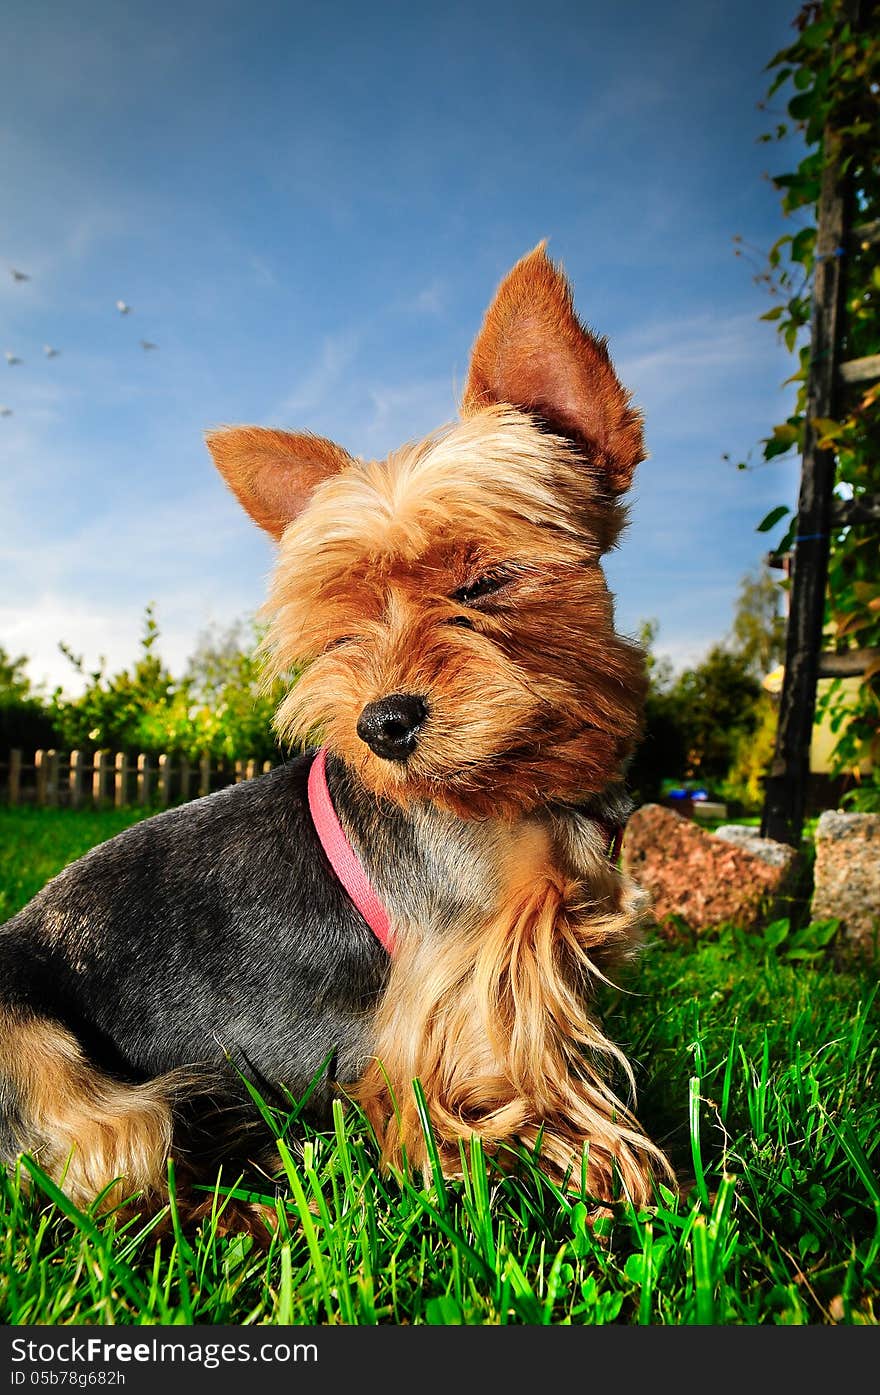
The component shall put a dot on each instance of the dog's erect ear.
(533, 352)
(273, 473)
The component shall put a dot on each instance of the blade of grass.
(298, 1106)
(131, 1286)
(728, 1076)
(703, 1285)
(482, 1211)
(646, 1297)
(308, 1227)
(336, 1248)
(342, 1150)
(285, 1288)
(183, 1251)
(849, 1142)
(694, 1125)
(431, 1145)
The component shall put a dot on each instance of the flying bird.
(122, 307)
(50, 352)
(11, 358)
(18, 275)
(5, 411)
(146, 344)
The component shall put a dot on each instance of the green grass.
(758, 1062)
(37, 843)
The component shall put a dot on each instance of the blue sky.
(308, 209)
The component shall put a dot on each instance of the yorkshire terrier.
(432, 896)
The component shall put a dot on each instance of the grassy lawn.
(37, 843)
(758, 1061)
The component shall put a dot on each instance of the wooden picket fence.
(106, 779)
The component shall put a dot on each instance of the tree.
(15, 686)
(226, 699)
(716, 703)
(712, 722)
(662, 751)
(758, 632)
(112, 711)
(218, 707)
(24, 719)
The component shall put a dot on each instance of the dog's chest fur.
(438, 874)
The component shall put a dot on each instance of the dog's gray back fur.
(211, 930)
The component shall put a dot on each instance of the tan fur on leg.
(82, 1127)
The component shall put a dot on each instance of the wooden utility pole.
(786, 788)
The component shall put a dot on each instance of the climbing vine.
(829, 78)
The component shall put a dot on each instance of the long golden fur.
(494, 1023)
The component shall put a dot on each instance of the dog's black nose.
(391, 726)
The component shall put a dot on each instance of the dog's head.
(448, 601)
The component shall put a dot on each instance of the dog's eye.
(484, 586)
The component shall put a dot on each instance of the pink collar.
(348, 866)
(342, 856)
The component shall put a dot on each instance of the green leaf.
(772, 518)
(609, 1307)
(788, 538)
(817, 934)
(803, 106)
(785, 434)
(776, 932)
(442, 1312)
(827, 429)
(816, 35)
(808, 1244)
(802, 245)
(779, 80)
(783, 438)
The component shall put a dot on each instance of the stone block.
(705, 878)
(846, 877)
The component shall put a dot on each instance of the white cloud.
(430, 300)
(103, 626)
(684, 651)
(406, 412)
(679, 361)
(335, 355)
(87, 581)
